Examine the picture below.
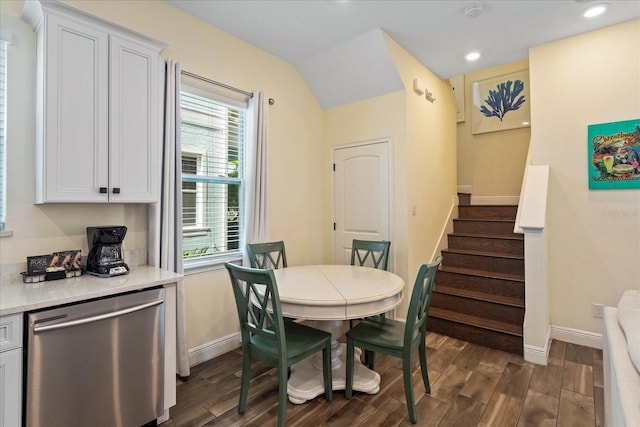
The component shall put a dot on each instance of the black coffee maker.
(106, 257)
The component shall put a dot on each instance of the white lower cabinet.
(10, 387)
(11, 370)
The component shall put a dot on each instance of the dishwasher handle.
(97, 318)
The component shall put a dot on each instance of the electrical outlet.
(598, 310)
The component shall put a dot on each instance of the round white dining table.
(328, 295)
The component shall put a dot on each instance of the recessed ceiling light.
(472, 56)
(596, 10)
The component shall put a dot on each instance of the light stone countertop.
(18, 297)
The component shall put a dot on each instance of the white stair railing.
(531, 221)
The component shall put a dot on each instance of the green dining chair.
(396, 338)
(267, 255)
(267, 337)
(371, 253)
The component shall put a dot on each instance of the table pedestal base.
(306, 382)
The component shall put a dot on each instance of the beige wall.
(298, 158)
(491, 163)
(429, 158)
(594, 236)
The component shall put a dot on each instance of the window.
(212, 135)
(191, 214)
(4, 41)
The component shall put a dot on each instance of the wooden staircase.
(479, 292)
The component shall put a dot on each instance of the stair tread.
(481, 296)
(486, 220)
(482, 273)
(498, 205)
(476, 321)
(483, 253)
(489, 236)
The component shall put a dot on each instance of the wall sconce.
(420, 89)
(429, 96)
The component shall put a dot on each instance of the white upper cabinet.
(134, 121)
(98, 108)
(72, 102)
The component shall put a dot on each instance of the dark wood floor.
(471, 385)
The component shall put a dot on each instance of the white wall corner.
(536, 317)
(576, 336)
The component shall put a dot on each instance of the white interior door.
(361, 193)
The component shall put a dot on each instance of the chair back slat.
(370, 253)
(270, 255)
(258, 305)
(416, 321)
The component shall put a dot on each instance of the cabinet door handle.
(116, 190)
(103, 190)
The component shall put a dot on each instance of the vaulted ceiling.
(338, 47)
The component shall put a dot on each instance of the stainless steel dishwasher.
(97, 363)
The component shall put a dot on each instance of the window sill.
(202, 266)
(6, 233)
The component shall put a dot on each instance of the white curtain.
(165, 217)
(257, 173)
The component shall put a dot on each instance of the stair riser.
(486, 310)
(492, 339)
(508, 288)
(487, 212)
(464, 199)
(503, 246)
(484, 263)
(484, 227)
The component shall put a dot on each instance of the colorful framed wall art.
(614, 155)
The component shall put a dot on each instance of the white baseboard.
(533, 354)
(576, 336)
(495, 200)
(213, 349)
(538, 355)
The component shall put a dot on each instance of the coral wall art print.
(501, 103)
(614, 155)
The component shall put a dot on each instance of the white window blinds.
(5, 37)
(212, 138)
